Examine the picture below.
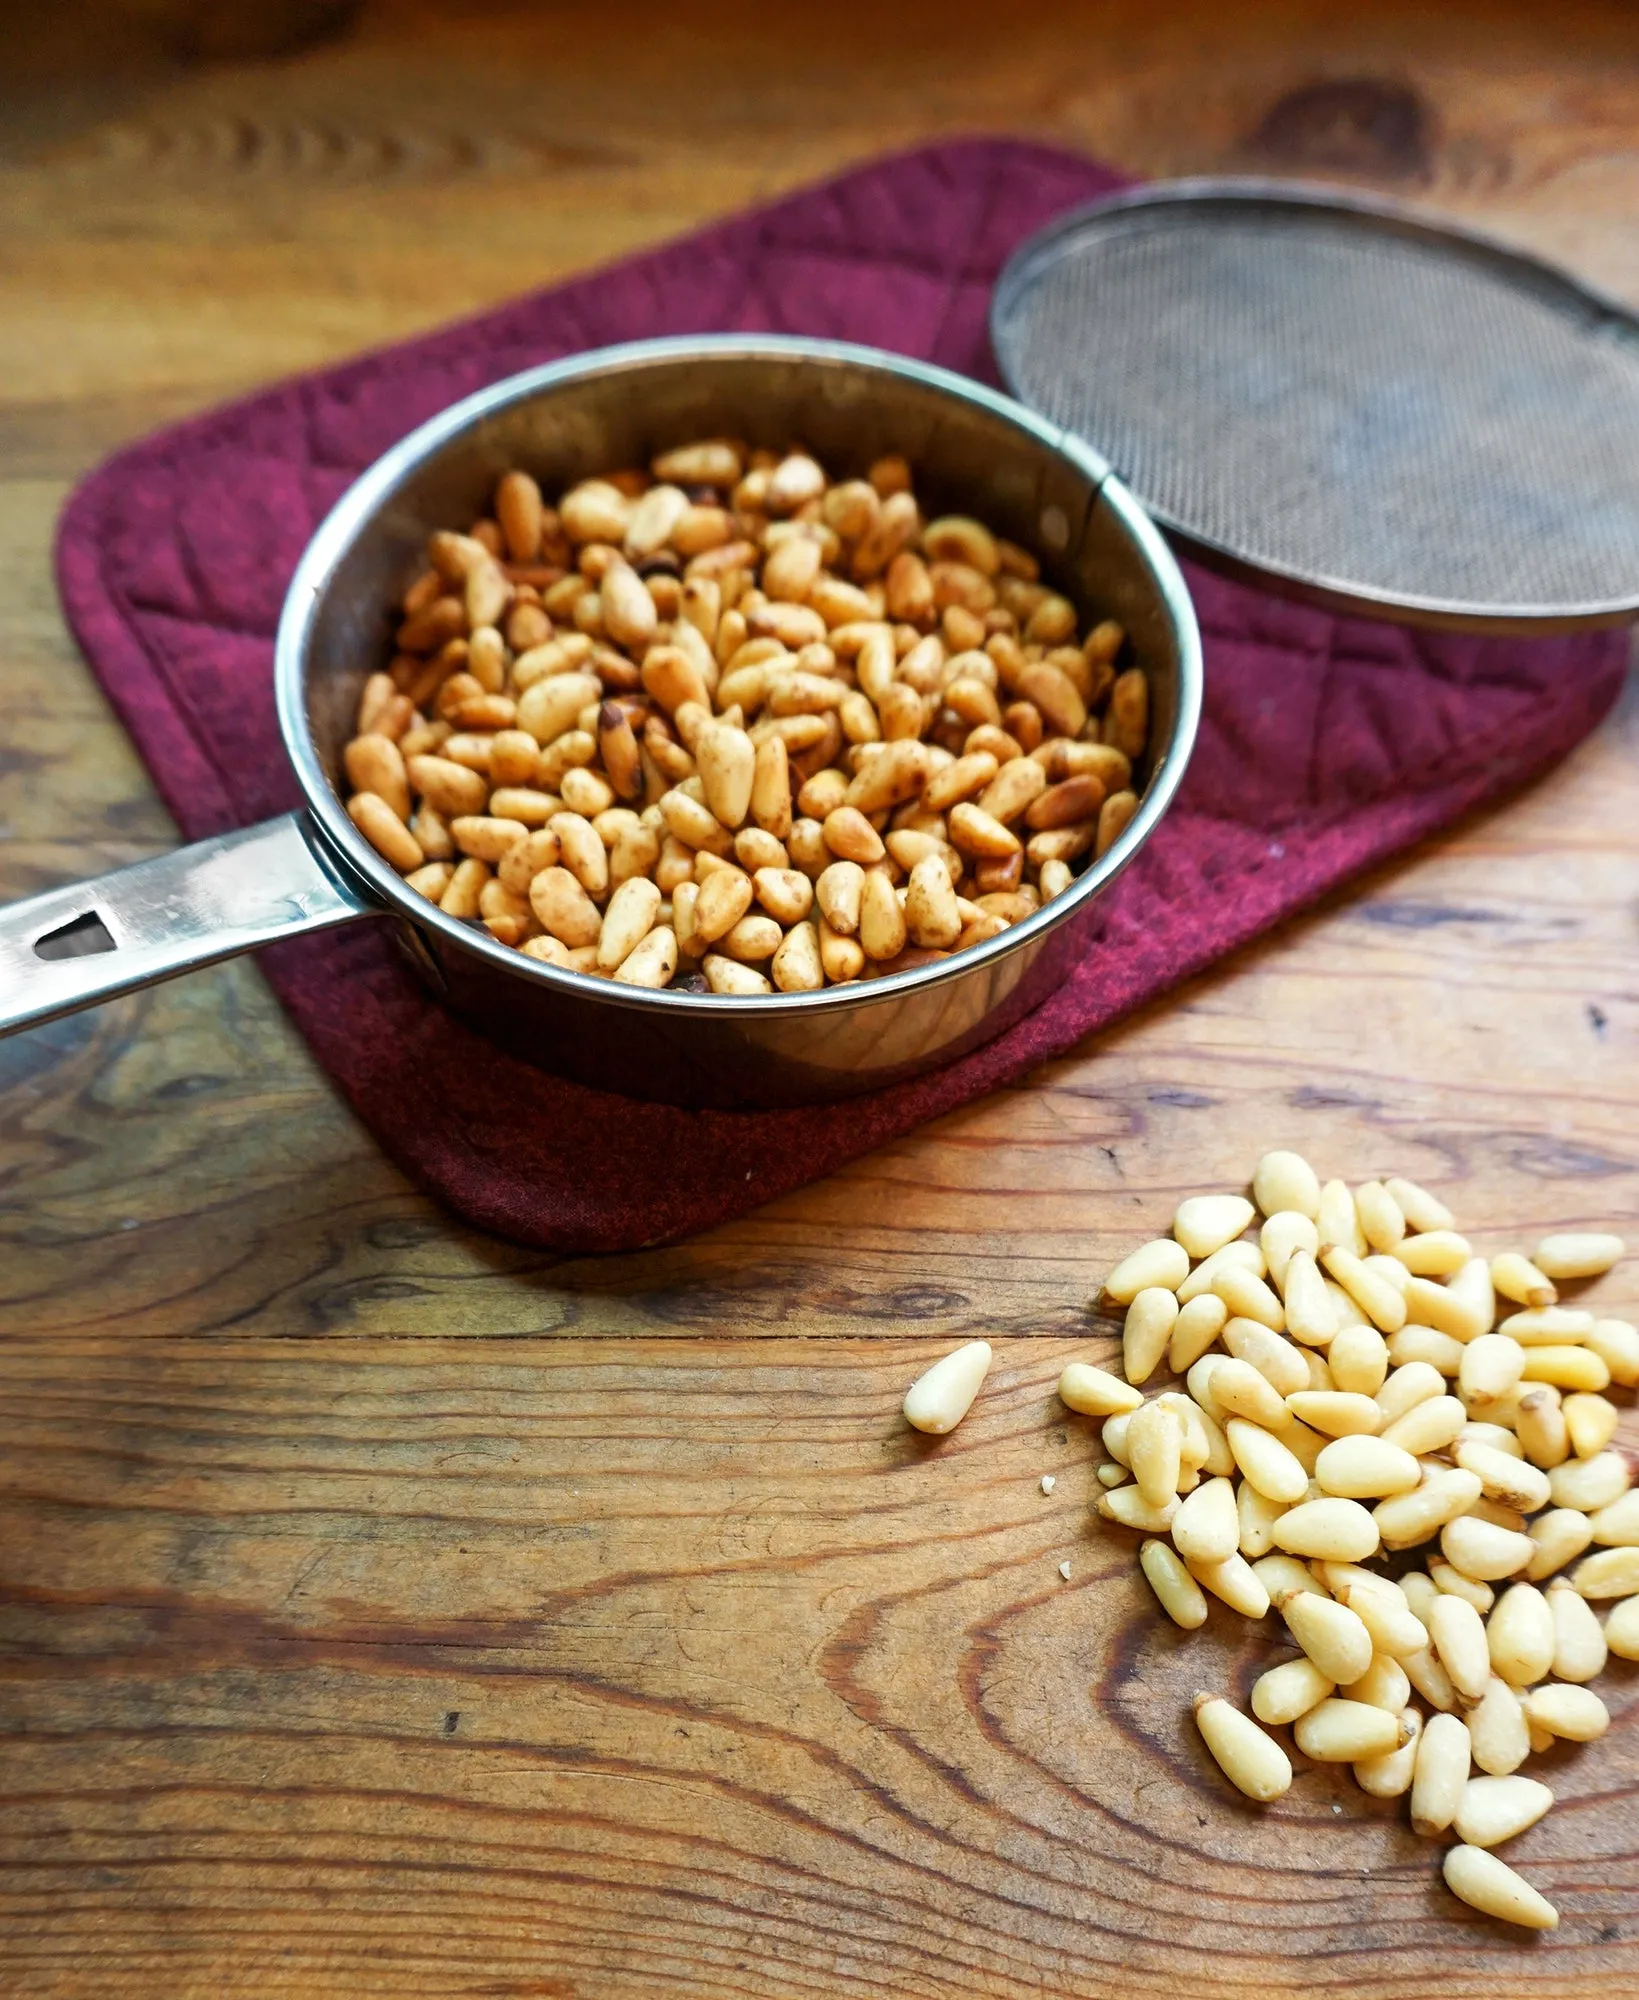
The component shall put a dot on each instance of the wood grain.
(659, 1668)
(384, 1608)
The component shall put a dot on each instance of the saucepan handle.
(74, 947)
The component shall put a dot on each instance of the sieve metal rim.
(1258, 195)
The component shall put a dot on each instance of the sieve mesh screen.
(1326, 394)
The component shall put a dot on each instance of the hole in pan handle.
(74, 947)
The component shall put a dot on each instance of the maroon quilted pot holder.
(1327, 744)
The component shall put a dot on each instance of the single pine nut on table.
(941, 1397)
(735, 680)
(1360, 1385)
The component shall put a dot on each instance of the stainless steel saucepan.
(973, 451)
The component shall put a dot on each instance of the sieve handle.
(234, 892)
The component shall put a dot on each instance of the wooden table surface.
(385, 1609)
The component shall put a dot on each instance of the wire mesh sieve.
(1343, 397)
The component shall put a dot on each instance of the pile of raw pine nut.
(1358, 1384)
(1349, 1394)
(728, 726)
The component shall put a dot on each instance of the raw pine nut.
(1426, 1343)
(1387, 1618)
(1278, 1573)
(1481, 1549)
(1257, 1515)
(1197, 1326)
(1516, 1277)
(1616, 1525)
(1332, 1635)
(1405, 1519)
(1457, 1633)
(1492, 1367)
(1590, 1483)
(1206, 1528)
(1285, 1692)
(1563, 1709)
(1557, 1538)
(1489, 1885)
(1497, 1729)
(1389, 1269)
(1379, 1215)
(1162, 1262)
(1181, 1596)
(1305, 1446)
(1285, 1233)
(1384, 1684)
(1333, 1530)
(1453, 1583)
(1243, 1392)
(1616, 1343)
(1337, 1222)
(1412, 1382)
(1247, 1255)
(1578, 1256)
(1147, 1330)
(1235, 1582)
(1441, 1253)
(1340, 1732)
(1493, 1810)
(1622, 1629)
(1611, 1573)
(1390, 1776)
(1566, 1367)
(1206, 1222)
(1473, 1292)
(1366, 1468)
(1286, 1181)
(1590, 1423)
(1359, 1360)
(1430, 1679)
(1283, 1366)
(1379, 1300)
(1420, 1208)
(1338, 1413)
(1428, 1426)
(1494, 1436)
(1265, 1462)
(1310, 1314)
(1520, 1634)
(1248, 1297)
(1094, 1392)
(1503, 1477)
(1154, 1445)
(1252, 1762)
(1204, 1439)
(1440, 1775)
(1580, 1647)
(1128, 1506)
(940, 1398)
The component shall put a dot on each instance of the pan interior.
(1344, 398)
